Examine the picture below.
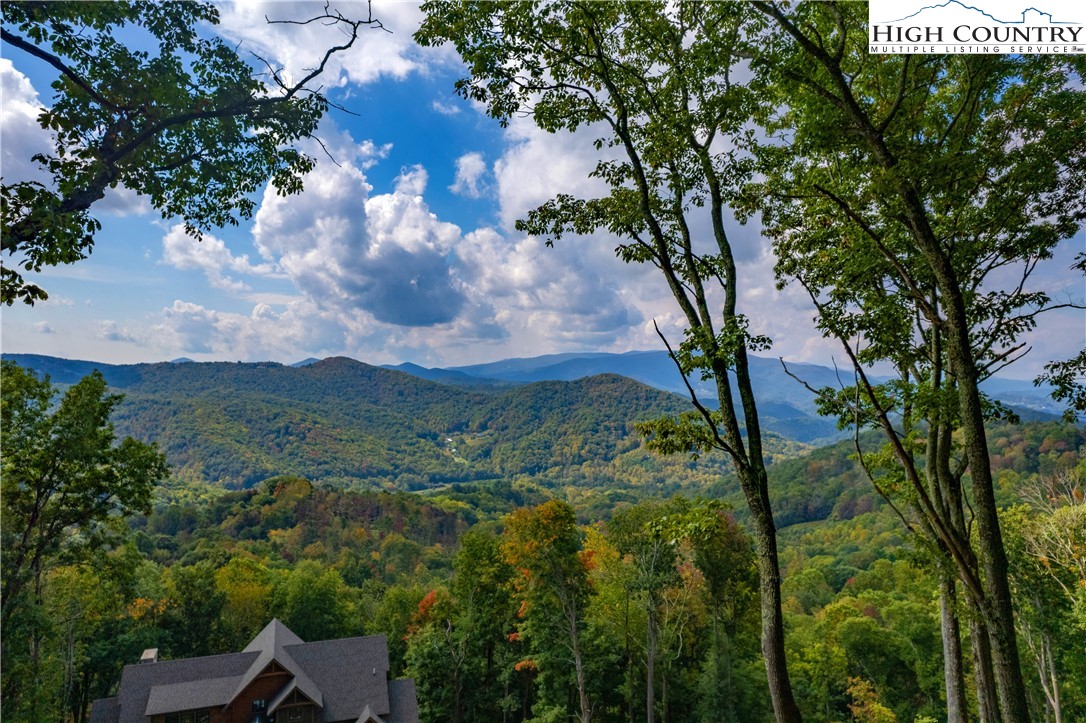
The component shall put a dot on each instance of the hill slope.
(351, 424)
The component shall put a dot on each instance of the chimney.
(149, 656)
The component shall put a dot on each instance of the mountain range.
(567, 419)
(786, 406)
(346, 423)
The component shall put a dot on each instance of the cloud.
(385, 276)
(44, 327)
(367, 153)
(121, 201)
(537, 165)
(386, 255)
(110, 330)
(262, 334)
(412, 181)
(543, 293)
(211, 256)
(470, 169)
(395, 279)
(20, 131)
(534, 168)
(445, 108)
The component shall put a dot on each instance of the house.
(277, 678)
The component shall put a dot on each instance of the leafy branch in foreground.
(192, 127)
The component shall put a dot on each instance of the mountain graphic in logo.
(957, 11)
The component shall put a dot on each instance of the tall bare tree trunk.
(953, 673)
(578, 664)
(650, 666)
(984, 679)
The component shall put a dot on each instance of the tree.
(314, 602)
(193, 129)
(193, 616)
(865, 705)
(724, 555)
(657, 82)
(543, 544)
(247, 586)
(937, 173)
(486, 615)
(1057, 537)
(637, 534)
(392, 618)
(65, 485)
(1047, 548)
(461, 654)
(93, 632)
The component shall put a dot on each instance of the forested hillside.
(346, 423)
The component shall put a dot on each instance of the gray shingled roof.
(351, 672)
(274, 634)
(282, 695)
(403, 702)
(368, 716)
(138, 680)
(203, 693)
(105, 710)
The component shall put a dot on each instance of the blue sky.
(404, 251)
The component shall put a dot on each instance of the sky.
(402, 247)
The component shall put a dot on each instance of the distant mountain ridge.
(345, 423)
(786, 407)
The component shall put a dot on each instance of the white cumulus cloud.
(264, 333)
(211, 256)
(21, 136)
(445, 108)
(110, 330)
(470, 169)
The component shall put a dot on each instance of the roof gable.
(271, 644)
(368, 716)
(284, 694)
(274, 635)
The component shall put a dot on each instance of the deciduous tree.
(65, 483)
(924, 178)
(657, 83)
(543, 544)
